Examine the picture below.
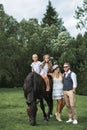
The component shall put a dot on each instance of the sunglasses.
(65, 66)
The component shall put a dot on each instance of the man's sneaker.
(75, 121)
(70, 120)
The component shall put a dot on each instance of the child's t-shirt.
(44, 70)
(36, 66)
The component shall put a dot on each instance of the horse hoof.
(33, 124)
(45, 119)
(51, 115)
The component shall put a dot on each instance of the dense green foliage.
(19, 40)
(13, 114)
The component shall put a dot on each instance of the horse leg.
(48, 99)
(43, 109)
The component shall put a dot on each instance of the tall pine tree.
(51, 17)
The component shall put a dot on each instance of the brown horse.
(35, 88)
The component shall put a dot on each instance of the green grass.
(13, 113)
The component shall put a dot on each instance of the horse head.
(29, 93)
(31, 111)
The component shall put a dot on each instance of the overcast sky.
(20, 9)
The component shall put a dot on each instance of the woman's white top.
(57, 88)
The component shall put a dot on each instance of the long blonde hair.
(49, 62)
(57, 75)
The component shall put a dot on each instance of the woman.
(57, 93)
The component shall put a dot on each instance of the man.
(69, 87)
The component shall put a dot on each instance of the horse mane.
(34, 82)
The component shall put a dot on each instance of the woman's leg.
(58, 108)
(59, 102)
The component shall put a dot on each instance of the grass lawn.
(13, 113)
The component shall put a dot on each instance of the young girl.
(46, 66)
(57, 93)
(35, 64)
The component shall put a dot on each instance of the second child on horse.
(42, 68)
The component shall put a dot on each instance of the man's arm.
(74, 79)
